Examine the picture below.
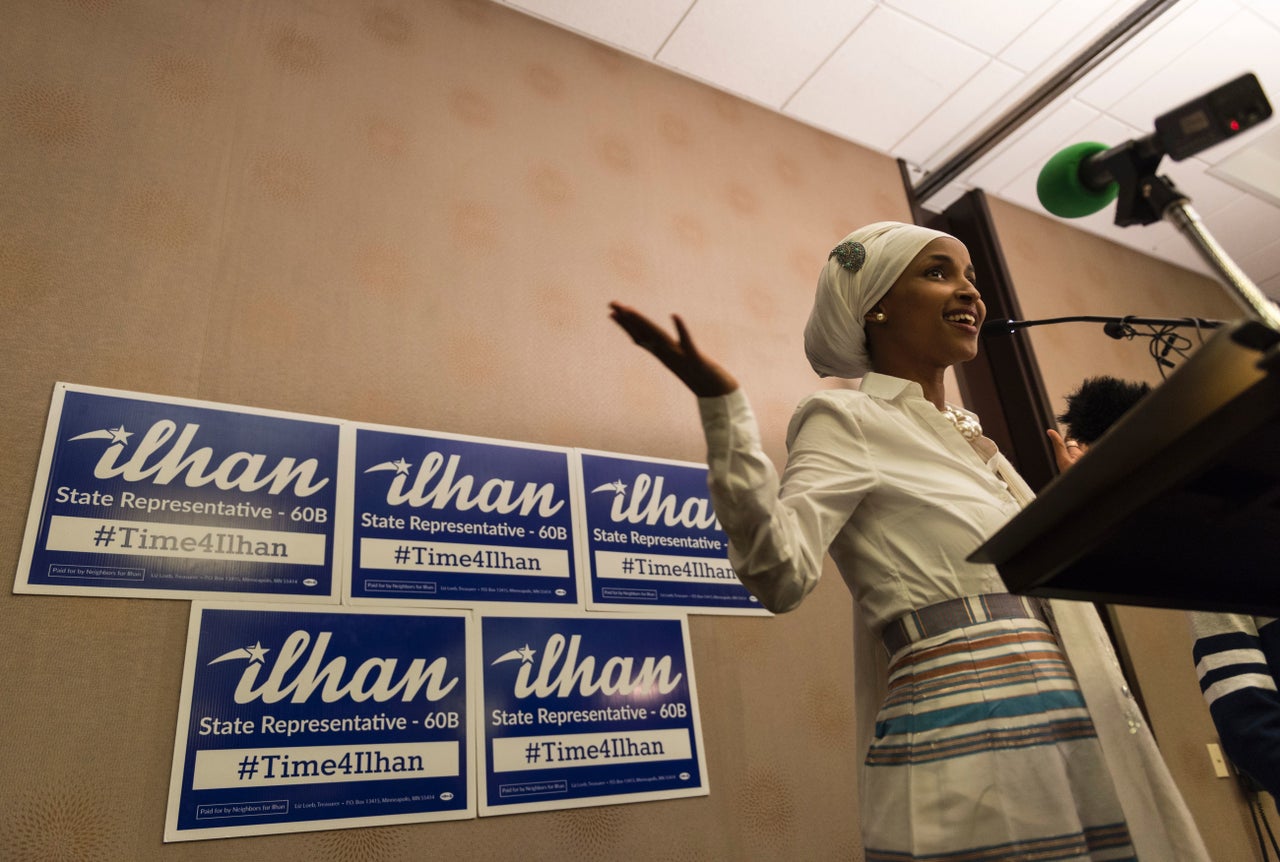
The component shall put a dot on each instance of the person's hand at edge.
(705, 377)
(1066, 452)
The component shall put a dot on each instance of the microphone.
(1097, 404)
(1077, 181)
(1117, 329)
(1120, 328)
(1083, 178)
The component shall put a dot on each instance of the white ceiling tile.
(1268, 9)
(1030, 150)
(1263, 263)
(722, 41)
(1025, 85)
(988, 25)
(939, 133)
(1022, 192)
(1214, 60)
(1271, 287)
(1103, 130)
(887, 77)
(1207, 193)
(946, 196)
(1060, 33)
(1243, 226)
(981, 120)
(1150, 55)
(993, 112)
(1253, 169)
(637, 27)
(1165, 242)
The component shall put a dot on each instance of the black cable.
(1166, 341)
(1258, 801)
(1254, 813)
(1252, 791)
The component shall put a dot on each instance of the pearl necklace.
(965, 424)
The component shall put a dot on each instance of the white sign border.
(586, 565)
(35, 511)
(484, 809)
(173, 834)
(510, 606)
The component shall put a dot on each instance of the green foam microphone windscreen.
(1061, 190)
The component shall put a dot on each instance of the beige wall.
(1061, 272)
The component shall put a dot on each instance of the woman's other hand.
(704, 377)
(1066, 452)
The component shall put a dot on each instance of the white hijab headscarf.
(850, 285)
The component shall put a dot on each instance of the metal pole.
(1239, 285)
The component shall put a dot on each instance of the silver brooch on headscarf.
(850, 255)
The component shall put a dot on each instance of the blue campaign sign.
(588, 710)
(297, 718)
(140, 495)
(457, 521)
(651, 539)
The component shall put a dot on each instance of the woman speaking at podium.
(983, 745)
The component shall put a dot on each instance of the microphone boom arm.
(1161, 331)
(1241, 288)
(1014, 325)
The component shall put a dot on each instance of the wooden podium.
(1178, 505)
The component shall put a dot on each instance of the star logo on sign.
(524, 655)
(256, 653)
(400, 467)
(115, 435)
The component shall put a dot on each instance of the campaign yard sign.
(650, 538)
(143, 495)
(595, 709)
(455, 521)
(296, 718)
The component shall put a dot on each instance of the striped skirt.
(984, 751)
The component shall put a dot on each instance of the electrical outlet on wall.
(1219, 762)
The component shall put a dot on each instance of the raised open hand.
(704, 377)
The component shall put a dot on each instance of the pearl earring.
(878, 317)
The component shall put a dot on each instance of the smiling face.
(932, 315)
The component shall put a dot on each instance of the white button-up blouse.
(878, 477)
